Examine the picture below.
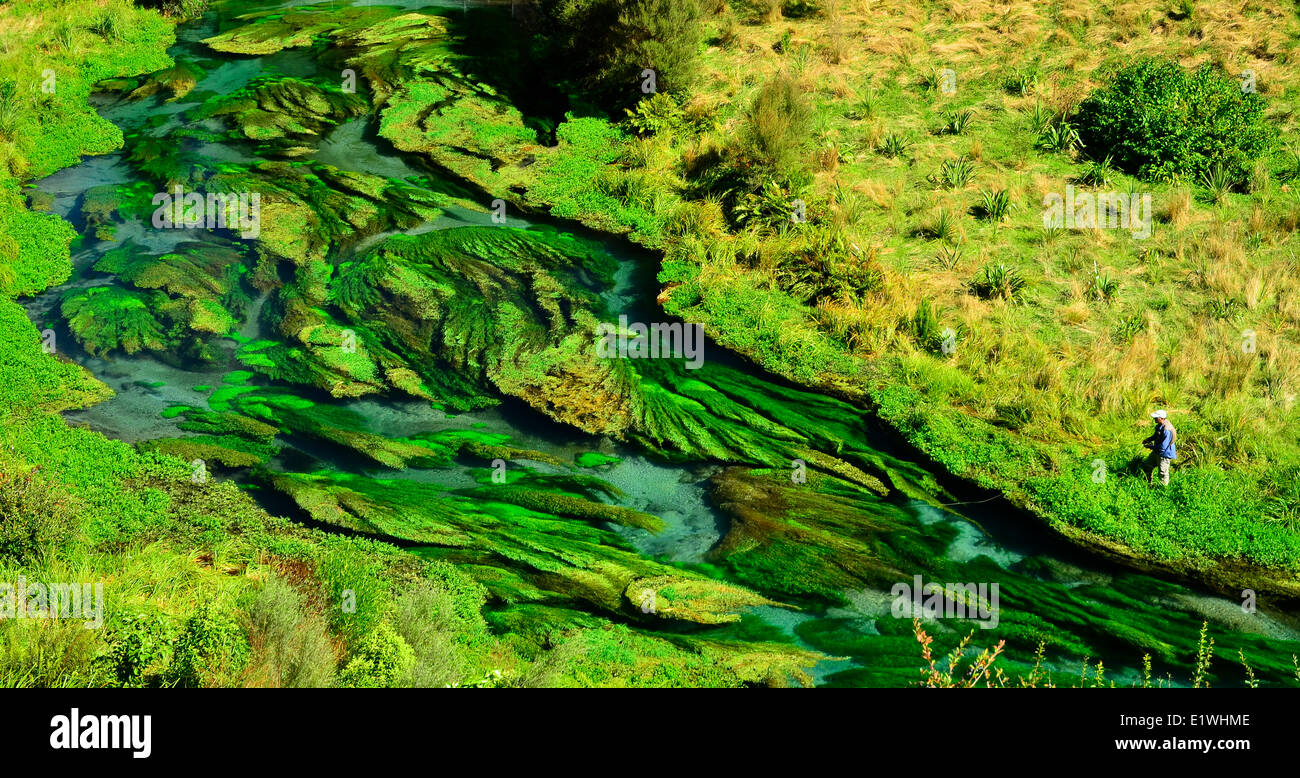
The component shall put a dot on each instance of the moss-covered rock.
(691, 599)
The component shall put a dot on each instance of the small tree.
(604, 46)
(36, 516)
(664, 36)
(778, 131)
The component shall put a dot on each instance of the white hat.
(1160, 415)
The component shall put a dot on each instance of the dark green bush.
(924, 326)
(141, 645)
(771, 207)
(664, 35)
(656, 114)
(1159, 121)
(999, 280)
(605, 45)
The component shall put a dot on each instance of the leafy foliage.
(1160, 121)
(608, 44)
(1000, 281)
(210, 650)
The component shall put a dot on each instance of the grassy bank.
(1050, 375)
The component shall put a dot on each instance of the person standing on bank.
(1161, 444)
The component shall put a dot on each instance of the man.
(1161, 444)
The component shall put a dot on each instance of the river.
(1082, 606)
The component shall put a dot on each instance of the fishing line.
(971, 502)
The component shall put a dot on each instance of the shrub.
(822, 265)
(11, 109)
(948, 256)
(1218, 182)
(606, 44)
(358, 591)
(999, 281)
(141, 645)
(109, 25)
(1021, 81)
(955, 173)
(1282, 500)
(1289, 170)
(665, 35)
(924, 327)
(993, 206)
(659, 113)
(35, 515)
(766, 10)
(383, 660)
(777, 130)
(1099, 172)
(956, 122)
(893, 145)
(771, 206)
(427, 619)
(800, 9)
(941, 227)
(1161, 122)
(210, 651)
(290, 648)
(1102, 286)
(1038, 118)
(1057, 133)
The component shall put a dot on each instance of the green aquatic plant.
(783, 536)
(177, 80)
(285, 114)
(105, 318)
(526, 554)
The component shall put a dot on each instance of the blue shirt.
(1163, 440)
